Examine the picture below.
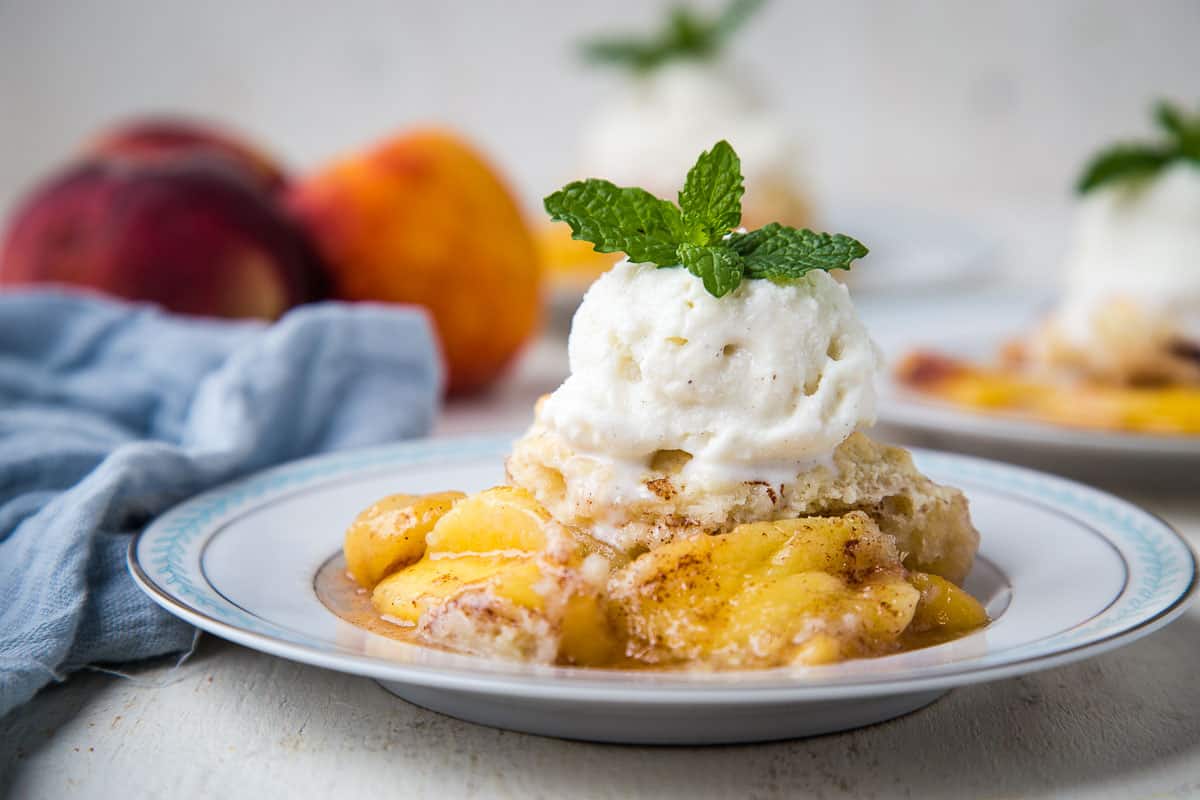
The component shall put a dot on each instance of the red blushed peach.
(195, 236)
(173, 138)
(423, 218)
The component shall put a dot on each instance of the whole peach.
(174, 138)
(195, 236)
(422, 218)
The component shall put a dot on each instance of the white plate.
(975, 326)
(1065, 571)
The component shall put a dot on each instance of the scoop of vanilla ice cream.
(1138, 244)
(650, 134)
(755, 385)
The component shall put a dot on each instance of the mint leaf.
(712, 195)
(1134, 160)
(719, 267)
(619, 220)
(1171, 120)
(637, 55)
(733, 17)
(1123, 162)
(688, 33)
(685, 35)
(777, 252)
(1183, 128)
(653, 231)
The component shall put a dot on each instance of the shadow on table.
(1121, 715)
(1129, 717)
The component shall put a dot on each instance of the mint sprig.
(686, 35)
(1133, 160)
(697, 234)
(718, 267)
(619, 220)
(711, 198)
(779, 253)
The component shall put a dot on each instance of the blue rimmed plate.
(975, 326)
(1066, 572)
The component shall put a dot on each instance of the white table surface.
(233, 723)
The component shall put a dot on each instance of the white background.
(937, 104)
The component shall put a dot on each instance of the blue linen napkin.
(110, 413)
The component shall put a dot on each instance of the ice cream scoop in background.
(647, 133)
(681, 92)
(1130, 312)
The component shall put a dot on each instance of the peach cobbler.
(699, 492)
(1121, 350)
